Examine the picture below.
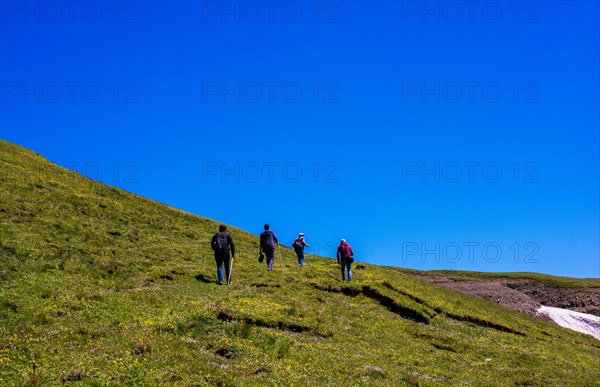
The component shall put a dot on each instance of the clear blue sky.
(385, 123)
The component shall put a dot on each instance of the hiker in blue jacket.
(345, 258)
(268, 241)
(222, 245)
(298, 245)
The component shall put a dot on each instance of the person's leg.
(270, 253)
(343, 266)
(301, 257)
(227, 262)
(349, 266)
(219, 262)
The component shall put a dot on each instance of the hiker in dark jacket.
(222, 245)
(345, 257)
(298, 245)
(268, 241)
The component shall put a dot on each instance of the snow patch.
(579, 322)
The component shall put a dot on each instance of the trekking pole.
(230, 270)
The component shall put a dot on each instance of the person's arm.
(261, 242)
(275, 239)
(304, 242)
(338, 255)
(351, 251)
(231, 245)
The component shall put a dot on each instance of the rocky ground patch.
(523, 295)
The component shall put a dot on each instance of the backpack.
(297, 244)
(221, 245)
(269, 240)
(346, 254)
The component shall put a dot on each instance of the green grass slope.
(103, 287)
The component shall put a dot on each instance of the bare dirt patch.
(523, 295)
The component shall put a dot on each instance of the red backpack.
(346, 251)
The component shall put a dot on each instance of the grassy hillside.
(104, 287)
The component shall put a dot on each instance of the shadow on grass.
(203, 278)
(409, 313)
(280, 325)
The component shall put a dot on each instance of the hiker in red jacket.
(345, 257)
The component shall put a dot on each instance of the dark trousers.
(270, 255)
(300, 255)
(222, 260)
